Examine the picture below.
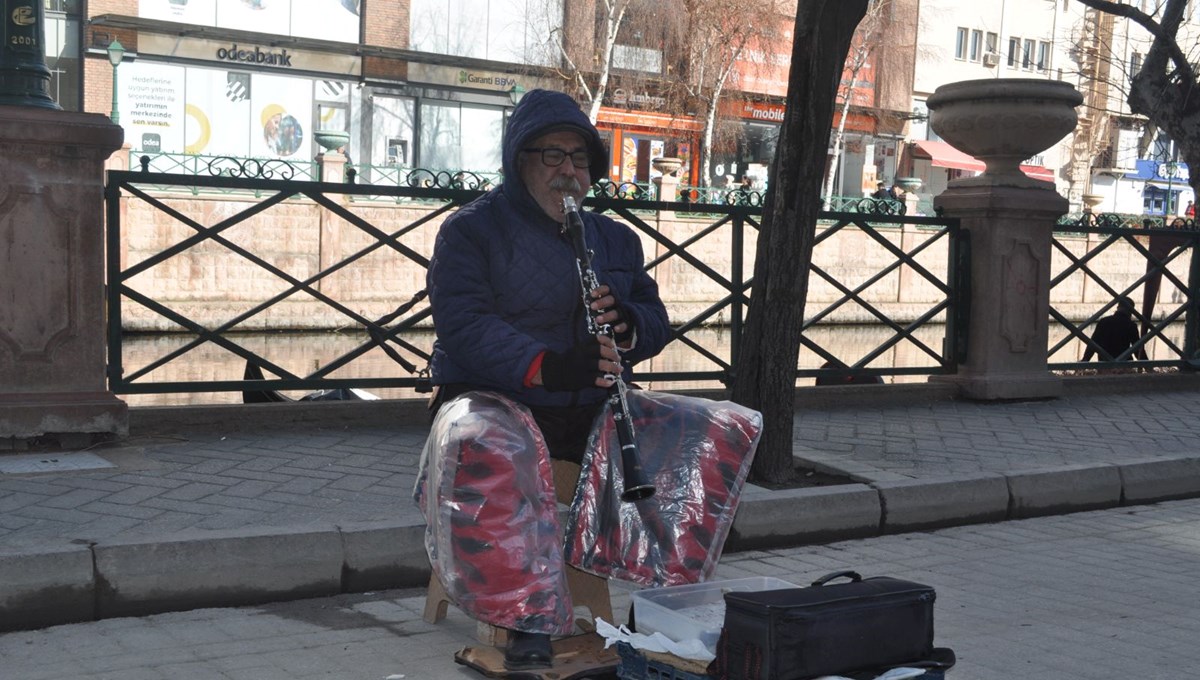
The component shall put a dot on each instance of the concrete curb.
(71, 583)
(914, 505)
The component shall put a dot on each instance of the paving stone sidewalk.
(1103, 595)
(194, 494)
(210, 478)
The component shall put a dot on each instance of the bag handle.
(852, 575)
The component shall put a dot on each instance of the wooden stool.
(587, 590)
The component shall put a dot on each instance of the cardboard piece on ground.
(577, 656)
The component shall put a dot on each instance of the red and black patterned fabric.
(492, 533)
(697, 453)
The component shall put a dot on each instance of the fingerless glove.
(573, 370)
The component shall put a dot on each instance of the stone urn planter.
(909, 184)
(331, 140)
(667, 165)
(1090, 201)
(1002, 122)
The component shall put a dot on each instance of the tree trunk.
(765, 377)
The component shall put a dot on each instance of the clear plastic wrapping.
(486, 489)
(492, 531)
(697, 453)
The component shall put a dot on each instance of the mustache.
(568, 184)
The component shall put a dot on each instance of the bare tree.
(868, 36)
(1166, 89)
(766, 367)
(586, 40)
(717, 38)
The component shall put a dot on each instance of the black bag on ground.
(797, 633)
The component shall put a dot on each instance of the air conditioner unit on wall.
(991, 59)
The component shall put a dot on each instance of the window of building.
(1014, 49)
(1135, 64)
(458, 136)
(392, 130)
(62, 53)
(976, 45)
(960, 44)
(637, 58)
(519, 31)
(1027, 54)
(1043, 62)
(992, 43)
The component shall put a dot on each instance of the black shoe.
(527, 650)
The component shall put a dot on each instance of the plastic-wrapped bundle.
(492, 530)
(697, 453)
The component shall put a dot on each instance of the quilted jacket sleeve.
(484, 344)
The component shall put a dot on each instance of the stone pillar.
(332, 166)
(1010, 218)
(52, 306)
(1008, 336)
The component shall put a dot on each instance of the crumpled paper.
(655, 642)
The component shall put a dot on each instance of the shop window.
(1159, 201)
(460, 137)
(392, 130)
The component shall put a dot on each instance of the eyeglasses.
(553, 157)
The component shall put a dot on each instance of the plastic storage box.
(695, 611)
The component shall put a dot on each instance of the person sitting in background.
(1115, 334)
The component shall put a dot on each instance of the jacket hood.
(540, 112)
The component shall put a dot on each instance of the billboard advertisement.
(170, 108)
(336, 20)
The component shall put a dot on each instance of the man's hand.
(614, 314)
(591, 363)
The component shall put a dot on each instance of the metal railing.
(1161, 276)
(935, 253)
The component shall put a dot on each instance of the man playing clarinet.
(504, 283)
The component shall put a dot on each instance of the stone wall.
(211, 284)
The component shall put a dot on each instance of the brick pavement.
(1102, 595)
(340, 493)
(212, 479)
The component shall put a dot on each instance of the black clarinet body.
(637, 487)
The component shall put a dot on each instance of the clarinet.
(636, 486)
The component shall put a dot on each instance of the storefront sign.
(637, 100)
(458, 77)
(1159, 171)
(764, 111)
(257, 56)
(228, 54)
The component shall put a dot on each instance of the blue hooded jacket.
(503, 281)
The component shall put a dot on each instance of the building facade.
(1106, 159)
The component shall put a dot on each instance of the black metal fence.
(1157, 268)
(930, 250)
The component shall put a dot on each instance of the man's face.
(547, 183)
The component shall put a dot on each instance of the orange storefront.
(637, 137)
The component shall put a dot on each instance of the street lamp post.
(24, 78)
(515, 93)
(116, 52)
